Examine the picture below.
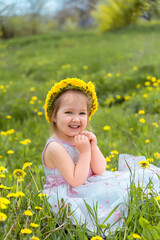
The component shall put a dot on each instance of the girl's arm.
(98, 162)
(75, 175)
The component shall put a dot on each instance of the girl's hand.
(82, 143)
(91, 137)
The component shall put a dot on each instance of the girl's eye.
(68, 112)
(82, 113)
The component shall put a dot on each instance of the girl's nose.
(75, 119)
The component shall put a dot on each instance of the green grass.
(37, 62)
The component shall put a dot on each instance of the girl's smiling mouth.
(74, 126)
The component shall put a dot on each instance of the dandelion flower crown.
(66, 84)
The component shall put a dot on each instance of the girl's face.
(72, 116)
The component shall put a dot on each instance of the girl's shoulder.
(55, 146)
(56, 141)
(52, 147)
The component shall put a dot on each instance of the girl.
(74, 165)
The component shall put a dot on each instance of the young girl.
(74, 165)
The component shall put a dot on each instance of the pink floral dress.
(107, 190)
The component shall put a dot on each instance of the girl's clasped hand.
(82, 143)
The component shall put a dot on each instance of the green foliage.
(115, 14)
(149, 231)
(20, 26)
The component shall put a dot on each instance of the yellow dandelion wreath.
(66, 84)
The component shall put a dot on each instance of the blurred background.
(29, 17)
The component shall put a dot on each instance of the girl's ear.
(53, 119)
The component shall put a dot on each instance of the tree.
(80, 9)
(35, 9)
(114, 14)
(6, 11)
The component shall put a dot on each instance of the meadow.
(125, 67)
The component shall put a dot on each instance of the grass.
(125, 67)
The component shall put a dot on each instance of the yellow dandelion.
(28, 140)
(106, 128)
(25, 142)
(114, 152)
(144, 164)
(131, 129)
(10, 195)
(19, 173)
(2, 175)
(118, 74)
(118, 96)
(108, 159)
(4, 200)
(85, 67)
(35, 238)
(155, 124)
(4, 187)
(28, 213)
(138, 86)
(8, 116)
(127, 98)
(141, 112)
(135, 68)
(20, 180)
(11, 131)
(19, 194)
(157, 155)
(148, 77)
(113, 169)
(135, 235)
(65, 66)
(158, 198)
(149, 159)
(32, 89)
(142, 120)
(109, 74)
(26, 165)
(34, 225)
(1, 156)
(96, 238)
(2, 206)
(10, 152)
(34, 98)
(147, 83)
(147, 141)
(1, 86)
(145, 95)
(31, 102)
(2, 169)
(26, 231)
(153, 79)
(3, 217)
(39, 113)
(38, 208)
(41, 195)
(155, 84)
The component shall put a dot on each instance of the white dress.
(108, 191)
